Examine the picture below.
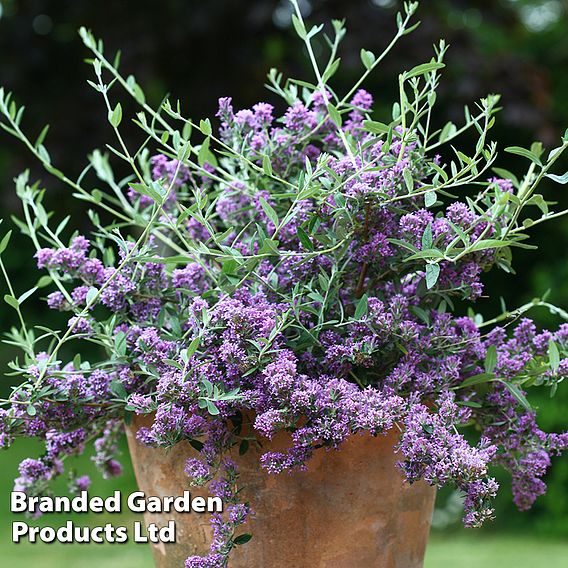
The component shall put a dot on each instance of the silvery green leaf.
(430, 198)
(335, 115)
(267, 165)
(367, 58)
(525, 153)
(553, 355)
(432, 274)
(115, 116)
(423, 69)
(26, 295)
(11, 301)
(362, 307)
(211, 408)
(517, 393)
(305, 239)
(375, 127)
(205, 127)
(299, 27)
(490, 359)
(563, 179)
(192, 348)
(91, 293)
(4, 242)
(408, 181)
(268, 209)
(427, 237)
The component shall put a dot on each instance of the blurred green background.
(198, 51)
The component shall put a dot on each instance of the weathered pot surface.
(350, 509)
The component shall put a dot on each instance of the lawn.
(499, 551)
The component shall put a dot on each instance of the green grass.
(499, 551)
(76, 556)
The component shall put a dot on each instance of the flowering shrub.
(300, 268)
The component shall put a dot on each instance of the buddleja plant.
(300, 270)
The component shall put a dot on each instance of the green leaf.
(267, 165)
(299, 27)
(362, 307)
(205, 155)
(426, 254)
(147, 191)
(205, 127)
(270, 213)
(242, 539)
(211, 408)
(91, 293)
(432, 274)
(469, 403)
(447, 132)
(40, 139)
(476, 380)
(44, 281)
(439, 171)
(525, 153)
(208, 386)
(563, 179)
(376, 127)
(269, 247)
(367, 58)
(427, 237)
(173, 363)
(331, 70)
(506, 174)
(117, 388)
(553, 355)
(77, 362)
(491, 359)
(204, 151)
(334, 115)
(430, 198)
(305, 239)
(11, 301)
(423, 69)
(487, 244)
(408, 181)
(404, 244)
(339, 199)
(517, 393)
(26, 295)
(120, 343)
(5, 241)
(138, 94)
(31, 410)
(115, 116)
(193, 346)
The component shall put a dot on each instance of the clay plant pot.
(350, 509)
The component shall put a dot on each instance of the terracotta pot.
(351, 509)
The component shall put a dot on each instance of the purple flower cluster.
(311, 313)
